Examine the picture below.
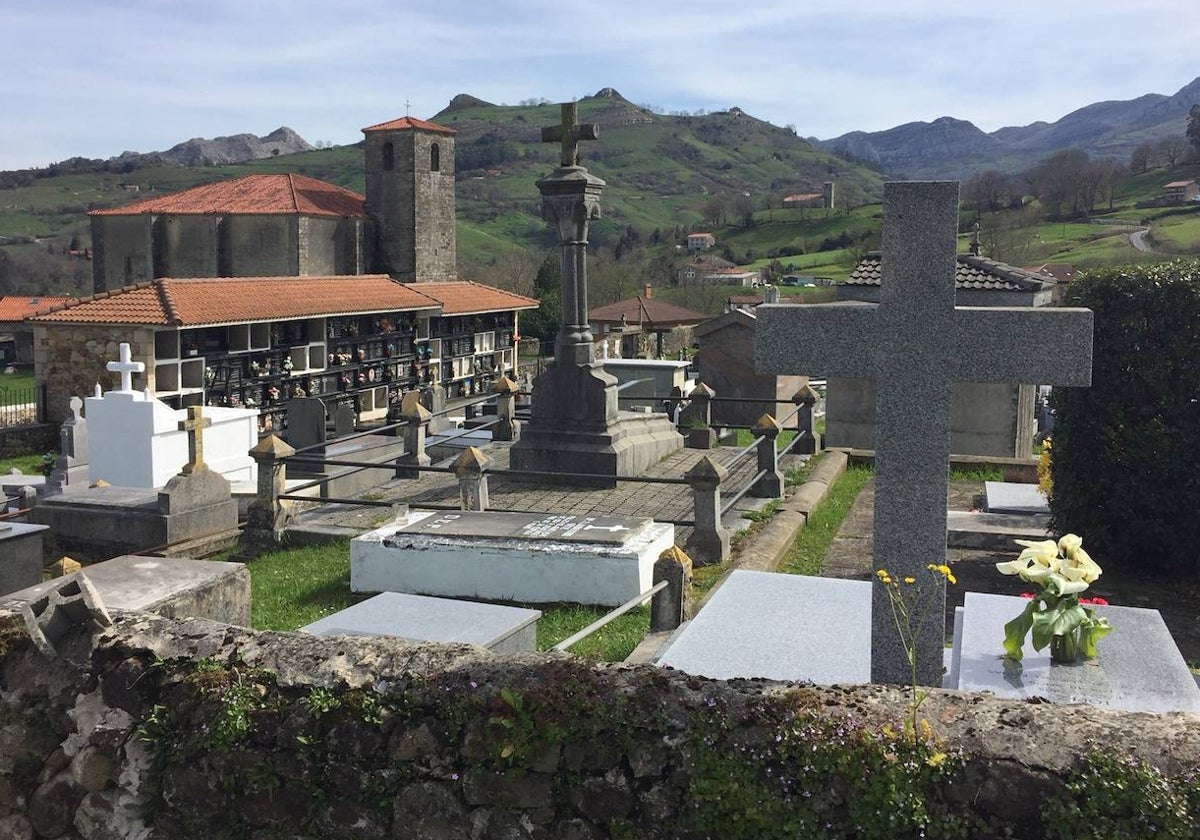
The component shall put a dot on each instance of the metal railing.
(635, 601)
(22, 406)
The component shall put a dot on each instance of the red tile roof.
(254, 194)
(466, 297)
(230, 300)
(649, 312)
(971, 272)
(1177, 184)
(18, 308)
(409, 123)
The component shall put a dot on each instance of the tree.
(986, 191)
(1123, 461)
(1172, 148)
(1142, 158)
(543, 322)
(1193, 127)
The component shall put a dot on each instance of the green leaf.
(1015, 630)
(1093, 631)
(1063, 618)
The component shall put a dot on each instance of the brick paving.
(663, 502)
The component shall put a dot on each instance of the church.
(250, 291)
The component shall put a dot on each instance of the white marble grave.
(529, 558)
(1138, 669)
(1012, 498)
(791, 628)
(135, 439)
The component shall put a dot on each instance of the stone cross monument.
(127, 368)
(575, 425)
(915, 344)
(194, 425)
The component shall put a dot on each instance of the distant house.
(709, 270)
(16, 345)
(1180, 192)
(639, 317)
(700, 242)
(824, 198)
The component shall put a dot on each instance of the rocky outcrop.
(237, 148)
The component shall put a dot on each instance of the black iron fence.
(22, 406)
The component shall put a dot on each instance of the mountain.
(237, 148)
(949, 147)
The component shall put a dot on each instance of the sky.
(94, 78)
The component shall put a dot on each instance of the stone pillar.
(671, 607)
(770, 486)
(709, 541)
(809, 442)
(471, 469)
(695, 420)
(414, 457)
(267, 516)
(507, 427)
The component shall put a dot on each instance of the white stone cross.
(127, 368)
(916, 344)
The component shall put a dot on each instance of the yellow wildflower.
(910, 580)
(936, 759)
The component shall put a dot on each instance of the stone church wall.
(259, 246)
(184, 729)
(186, 246)
(70, 359)
(122, 251)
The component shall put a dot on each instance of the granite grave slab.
(1013, 498)
(420, 618)
(174, 587)
(535, 558)
(1139, 667)
(792, 628)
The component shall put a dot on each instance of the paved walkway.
(658, 501)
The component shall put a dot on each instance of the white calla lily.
(1069, 543)
(1012, 567)
(1062, 586)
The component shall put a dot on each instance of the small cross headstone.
(569, 132)
(916, 344)
(127, 368)
(194, 425)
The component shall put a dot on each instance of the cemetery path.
(662, 502)
(849, 556)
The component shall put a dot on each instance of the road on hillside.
(1138, 240)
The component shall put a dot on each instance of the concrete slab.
(174, 587)
(993, 531)
(780, 627)
(419, 618)
(20, 555)
(1008, 497)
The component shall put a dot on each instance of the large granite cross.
(569, 133)
(127, 368)
(194, 425)
(916, 344)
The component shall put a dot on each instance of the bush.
(1124, 465)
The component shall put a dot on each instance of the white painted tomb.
(521, 557)
(136, 440)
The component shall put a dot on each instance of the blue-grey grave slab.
(20, 555)
(916, 344)
(781, 627)
(420, 618)
(1014, 498)
(1139, 667)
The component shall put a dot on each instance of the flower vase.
(1064, 647)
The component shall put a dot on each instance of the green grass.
(992, 474)
(745, 437)
(21, 378)
(27, 464)
(292, 587)
(807, 554)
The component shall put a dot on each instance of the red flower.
(1097, 601)
(1027, 595)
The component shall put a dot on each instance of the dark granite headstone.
(305, 422)
(344, 419)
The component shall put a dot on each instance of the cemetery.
(412, 698)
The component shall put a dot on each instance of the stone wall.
(70, 359)
(29, 440)
(194, 729)
(186, 245)
(122, 251)
(259, 246)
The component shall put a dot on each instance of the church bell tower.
(410, 198)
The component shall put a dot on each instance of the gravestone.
(306, 424)
(575, 426)
(344, 419)
(1013, 498)
(419, 618)
(531, 558)
(915, 344)
(174, 587)
(779, 627)
(1138, 669)
(71, 464)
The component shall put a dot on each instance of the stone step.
(993, 531)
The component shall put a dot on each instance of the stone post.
(471, 469)
(770, 486)
(695, 420)
(408, 465)
(671, 607)
(709, 541)
(267, 516)
(809, 442)
(507, 427)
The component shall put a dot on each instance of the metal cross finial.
(569, 133)
(194, 425)
(127, 368)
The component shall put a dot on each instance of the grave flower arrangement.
(1055, 615)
